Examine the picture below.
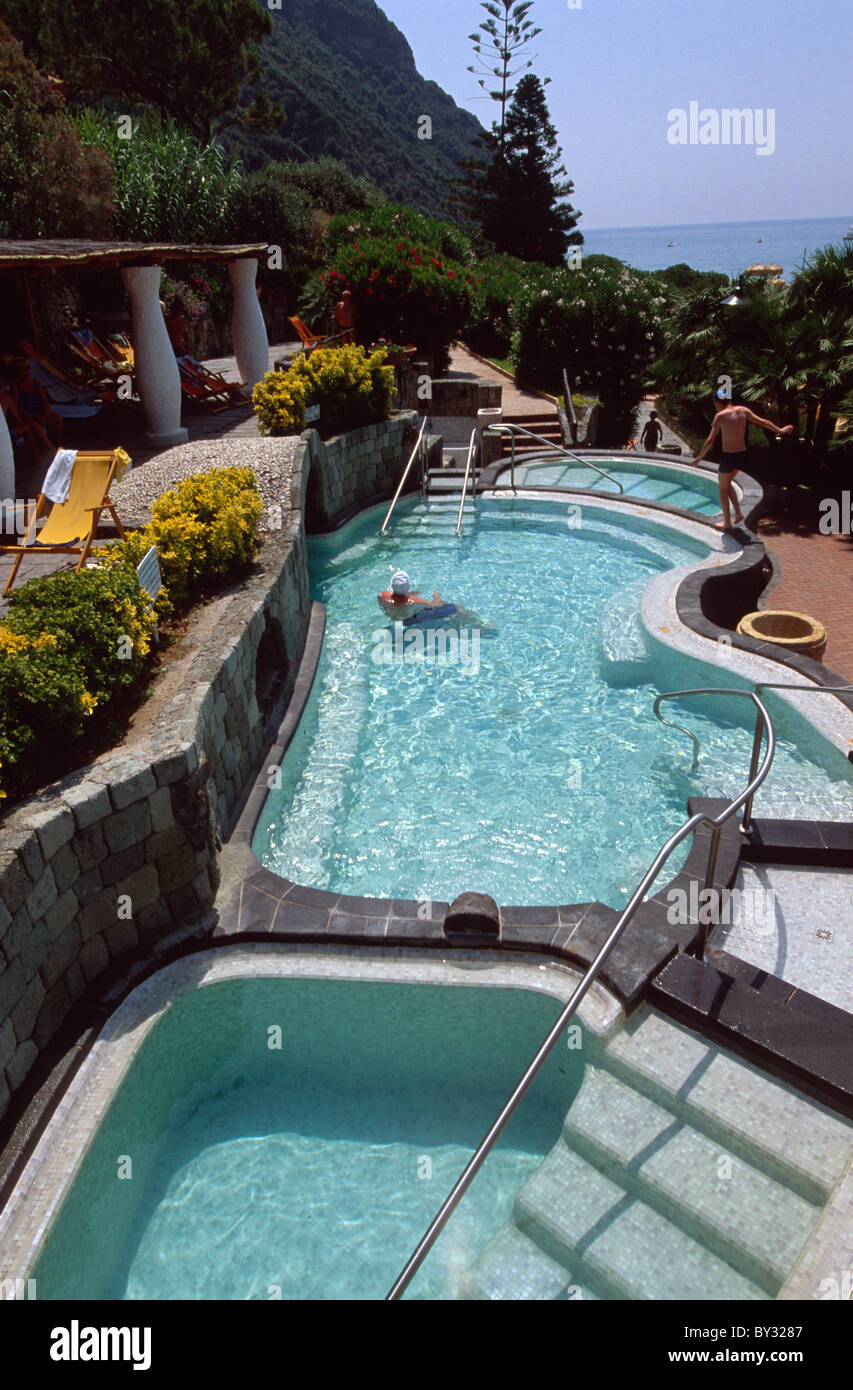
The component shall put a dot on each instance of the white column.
(248, 328)
(158, 380)
(7, 474)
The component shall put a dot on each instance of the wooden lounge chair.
(67, 397)
(101, 366)
(205, 387)
(71, 526)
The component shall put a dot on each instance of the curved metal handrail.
(401, 484)
(483, 1150)
(757, 735)
(472, 447)
(561, 449)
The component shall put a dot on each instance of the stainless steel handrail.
(480, 1155)
(553, 448)
(472, 448)
(569, 402)
(757, 737)
(401, 484)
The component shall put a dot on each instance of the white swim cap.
(400, 583)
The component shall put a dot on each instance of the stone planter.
(795, 631)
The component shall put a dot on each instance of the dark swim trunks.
(730, 463)
(429, 615)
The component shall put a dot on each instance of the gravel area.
(270, 459)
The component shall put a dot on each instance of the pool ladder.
(763, 726)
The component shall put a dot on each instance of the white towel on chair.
(58, 480)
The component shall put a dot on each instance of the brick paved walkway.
(817, 579)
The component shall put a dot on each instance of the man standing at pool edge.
(732, 420)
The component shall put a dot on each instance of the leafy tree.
(50, 184)
(191, 59)
(498, 40)
(519, 196)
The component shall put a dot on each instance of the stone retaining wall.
(348, 468)
(449, 395)
(125, 852)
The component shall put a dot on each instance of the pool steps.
(681, 1173)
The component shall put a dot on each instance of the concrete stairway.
(546, 425)
(681, 1173)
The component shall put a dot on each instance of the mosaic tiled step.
(735, 1210)
(791, 1138)
(514, 1269)
(614, 1242)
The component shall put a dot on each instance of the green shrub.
(169, 186)
(603, 325)
(396, 222)
(497, 280)
(351, 388)
(403, 290)
(71, 641)
(98, 617)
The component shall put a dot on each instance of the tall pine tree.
(518, 193)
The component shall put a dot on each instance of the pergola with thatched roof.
(157, 377)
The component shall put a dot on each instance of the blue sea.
(726, 246)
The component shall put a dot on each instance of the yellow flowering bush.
(204, 529)
(351, 387)
(72, 641)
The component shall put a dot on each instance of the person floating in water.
(652, 433)
(731, 422)
(401, 605)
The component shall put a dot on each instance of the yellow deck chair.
(71, 526)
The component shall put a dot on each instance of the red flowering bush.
(403, 289)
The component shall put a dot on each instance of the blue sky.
(619, 66)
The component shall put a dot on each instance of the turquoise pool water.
(646, 481)
(542, 775)
(311, 1170)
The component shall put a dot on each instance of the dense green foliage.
(187, 58)
(496, 282)
(351, 389)
(348, 83)
(788, 351)
(405, 289)
(72, 641)
(169, 185)
(50, 184)
(603, 327)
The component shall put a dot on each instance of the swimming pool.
(266, 1123)
(642, 480)
(541, 776)
(305, 1165)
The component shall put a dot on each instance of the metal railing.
(417, 451)
(570, 405)
(473, 446)
(558, 449)
(758, 734)
(483, 1150)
